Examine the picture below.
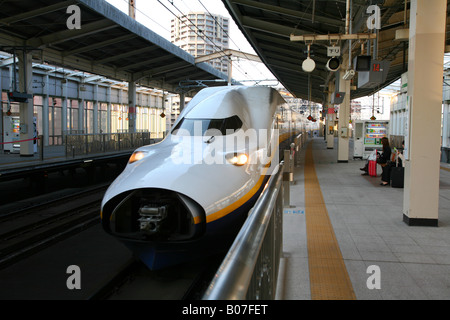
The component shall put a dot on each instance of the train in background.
(188, 196)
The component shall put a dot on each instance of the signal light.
(333, 64)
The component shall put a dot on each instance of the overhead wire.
(256, 67)
(220, 50)
(189, 26)
(193, 27)
(143, 13)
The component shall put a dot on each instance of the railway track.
(27, 231)
(135, 281)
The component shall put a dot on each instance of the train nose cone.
(188, 168)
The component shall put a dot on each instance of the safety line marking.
(328, 275)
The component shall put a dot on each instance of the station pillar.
(330, 119)
(26, 109)
(423, 135)
(344, 117)
(64, 109)
(182, 101)
(45, 109)
(131, 107)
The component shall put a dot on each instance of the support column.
(422, 139)
(330, 118)
(182, 101)
(131, 107)
(344, 115)
(45, 108)
(26, 108)
(64, 108)
(95, 115)
(108, 110)
(81, 125)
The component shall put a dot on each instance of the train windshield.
(207, 127)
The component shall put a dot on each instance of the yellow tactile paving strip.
(328, 275)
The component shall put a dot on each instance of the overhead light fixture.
(333, 64)
(308, 64)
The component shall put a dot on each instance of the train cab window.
(202, 127)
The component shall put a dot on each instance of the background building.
(201, 33)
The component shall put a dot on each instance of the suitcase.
(397, 177)
(372, 168)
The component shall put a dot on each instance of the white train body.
(189, 194)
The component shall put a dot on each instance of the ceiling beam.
(277, 40)
(150, 60)
(160, 70)
(288, 12)
(328, 37)
(228, 53)
(67, 34)
(99, 45)
(127, 54)
(37, 12)
(269, 27)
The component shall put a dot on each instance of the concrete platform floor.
(367, 219)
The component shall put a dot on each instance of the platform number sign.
(376, 67)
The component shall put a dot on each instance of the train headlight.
(238, 159)
(136, 156)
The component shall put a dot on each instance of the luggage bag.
(372, 168)
(397, 177)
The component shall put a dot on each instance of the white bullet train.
(189, 195)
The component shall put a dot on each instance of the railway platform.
(344, 237)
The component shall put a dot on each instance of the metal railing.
(250, 269)
(88, 144)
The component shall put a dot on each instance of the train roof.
(255, 105)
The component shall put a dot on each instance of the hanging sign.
(333, 51)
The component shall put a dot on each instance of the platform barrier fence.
(87, 144)
(250, 269)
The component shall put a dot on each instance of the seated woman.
(383, 161)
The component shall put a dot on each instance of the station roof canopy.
(269, 24)
(109, 43)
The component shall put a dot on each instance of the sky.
(156, 15)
